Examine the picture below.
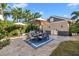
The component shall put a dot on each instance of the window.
(49, 26)
(52, 19)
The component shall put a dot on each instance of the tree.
(37, 15)
(15, 14)
(75, 16)
(74, 28)
(19, 14)
(3, 7)
(28, 15)
(6, 14)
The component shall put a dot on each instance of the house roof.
(58, 18)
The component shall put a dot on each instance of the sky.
(50, 9)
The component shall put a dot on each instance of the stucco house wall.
(57, 26)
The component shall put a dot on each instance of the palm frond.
(74, 17)
(75, 13)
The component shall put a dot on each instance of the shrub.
(14, 27)
(4, 43)
(74, 28)
(31, 27)
(4, 24)
(2, 34)
(14, 30)
(14, 33)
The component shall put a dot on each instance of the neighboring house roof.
(57, 18)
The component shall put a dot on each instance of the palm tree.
(75, 16)
(28, 15)
(37, 15)
(3, 7)
(14, 14)
(17, 14)
(6, 14)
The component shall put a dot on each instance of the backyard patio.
(19, 47)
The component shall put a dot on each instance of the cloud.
(65, 15)
(72, 4)
(20, 5)
(40, 12)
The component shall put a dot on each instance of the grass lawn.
(67, 48)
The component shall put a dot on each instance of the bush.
(74, 28)
(14, 30)
(14, 33)
(4, 43)
(14, 27)
(2, 34)
(31, 27)
(4, 24)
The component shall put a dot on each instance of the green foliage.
(14, 33)
(68, 48)
(4, 24)
(37, 15)
(31, 27)
(75, 15)
(14, 27)
(4, 5)
(15, 30)
(4, 43)
(2, 34)
(74, 28)
(19, 14)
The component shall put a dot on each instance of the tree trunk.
(2, 13)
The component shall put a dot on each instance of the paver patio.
(19, 47)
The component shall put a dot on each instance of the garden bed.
(4, 42)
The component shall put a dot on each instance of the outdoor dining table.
(37, 36)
